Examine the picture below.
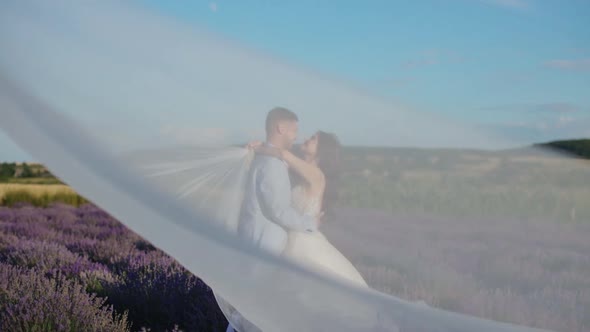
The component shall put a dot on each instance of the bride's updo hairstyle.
(328, 158)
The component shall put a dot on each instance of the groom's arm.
(274, 193)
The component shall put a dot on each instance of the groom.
(267, 214)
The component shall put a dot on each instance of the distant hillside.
(578, 147)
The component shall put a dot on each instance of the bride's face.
(310, 146)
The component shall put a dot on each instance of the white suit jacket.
(267, 212)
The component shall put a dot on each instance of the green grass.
(468, 184)
(40, 180)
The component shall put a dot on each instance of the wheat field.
(35, 189)
(38, 194)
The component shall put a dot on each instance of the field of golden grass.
(38, 194)
(35, 189)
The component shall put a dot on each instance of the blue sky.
(520, 66)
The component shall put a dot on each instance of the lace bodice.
(304, 203)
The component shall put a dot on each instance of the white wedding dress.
(313, 250)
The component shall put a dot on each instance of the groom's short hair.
(277, 115)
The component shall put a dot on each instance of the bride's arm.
(309, 172)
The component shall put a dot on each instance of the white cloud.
(573, 65)
(546, 129)
(549, 107)
(557, 107)
(213, 7)
(564, 120)
(541, 122)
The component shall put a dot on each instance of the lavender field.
(533, 273)
(485, 234)
(69, 269)
(500, 235)
(77, 269)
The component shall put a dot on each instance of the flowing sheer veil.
(90, 109)
(211, 180)
(273, 294)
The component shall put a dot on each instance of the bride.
(314, 191)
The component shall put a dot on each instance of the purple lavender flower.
(157, 291)
(31, 302)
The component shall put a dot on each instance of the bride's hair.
(328, 156)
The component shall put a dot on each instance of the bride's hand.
(253, 145)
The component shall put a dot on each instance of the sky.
(520, 68)
(520, 65)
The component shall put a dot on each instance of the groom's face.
(290, 133)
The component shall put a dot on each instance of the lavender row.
(70, 269)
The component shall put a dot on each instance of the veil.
(273, 294)
(99, 133)
(211, 180)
